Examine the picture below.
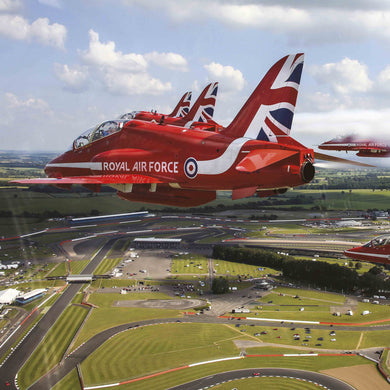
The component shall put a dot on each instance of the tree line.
(316, 273)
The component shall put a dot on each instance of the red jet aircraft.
(363, 147)
(185, 167)
(202, 111)
(375, 251)
(182, 108)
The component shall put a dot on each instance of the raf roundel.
(191, 168)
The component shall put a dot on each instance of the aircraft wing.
(92, 179)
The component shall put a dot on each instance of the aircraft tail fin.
(183, 106)
(268, 113)
(203, 109)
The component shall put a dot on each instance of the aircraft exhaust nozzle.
(307, 171)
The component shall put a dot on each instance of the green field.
(181, 344)
(320, 315)
(70, 382)
(286, 304)
(61, 269)
(77, 266)
(381, 339)
(144, 351)
(345, 340)
(227, 268)
(51, 350)
(107, 265)
(170, 379)
(356, 200)
(284, 296)
(41, 284)
(102, 283)
(189, 264)
(107, 316)
(312, 294)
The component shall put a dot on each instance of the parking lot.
(149, 263)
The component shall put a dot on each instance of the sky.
(69, 64)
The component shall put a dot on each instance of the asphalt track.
(80, 354)
(16, 360)
(321, 379)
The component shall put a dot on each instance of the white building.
(7, 297)
(30, 296)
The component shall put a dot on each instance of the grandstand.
(153, 242)
(30, 296)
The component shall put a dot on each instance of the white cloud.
(264, 16)
(10, 5)
(230, 79)
(319, 101)
(32, 104)
(118, 72)
(171, 61)
(134, 84)
(49, 34)
(383, 81)
(345, 77)
(314, 128)
(104, 55)
(75, 79)
(314, 21)
(17, 27)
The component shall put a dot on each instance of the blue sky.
(68, 65)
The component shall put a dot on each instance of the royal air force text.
(142, 166)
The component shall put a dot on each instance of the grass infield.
(52, 348)
(152, 349)
(106, 316)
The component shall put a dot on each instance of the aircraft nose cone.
(51, 169)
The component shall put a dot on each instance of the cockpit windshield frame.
(379, 241)
(99, 131)
(129, 115)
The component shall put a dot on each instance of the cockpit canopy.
(379, 241)
(101, 130)
(130, 115)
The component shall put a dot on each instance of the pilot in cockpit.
(103, 130)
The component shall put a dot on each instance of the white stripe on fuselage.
(224, 162)
(368, 254)
(95, 166)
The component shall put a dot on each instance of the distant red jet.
(375, 251)
(182, 108)
(364, 147)
(202, 111)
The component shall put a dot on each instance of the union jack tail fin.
(183, 107)
(203, 108)
(268, 113)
